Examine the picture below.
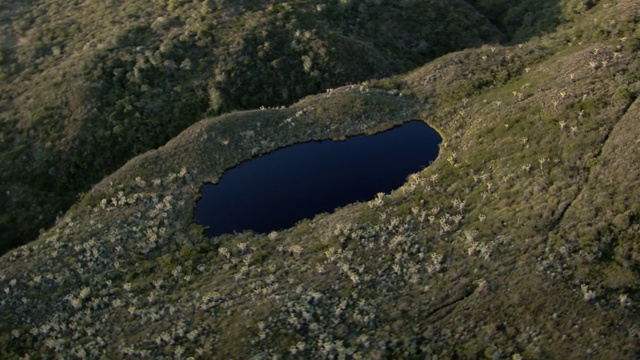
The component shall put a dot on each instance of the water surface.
(276, 190)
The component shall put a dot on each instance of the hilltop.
(519, 241)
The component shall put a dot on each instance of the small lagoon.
(276, 190)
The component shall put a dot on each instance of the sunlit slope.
(519, 241)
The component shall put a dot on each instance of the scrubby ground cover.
(519, 241)
(85, 86)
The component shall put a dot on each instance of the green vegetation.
(520, 241)
(87, 86)
(519, 20)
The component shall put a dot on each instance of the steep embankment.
(520, 241)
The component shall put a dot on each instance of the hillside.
(86, 86)
(520, 241)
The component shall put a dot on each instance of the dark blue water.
(276, 190)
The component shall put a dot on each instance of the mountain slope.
(519, 241)
(86, 86)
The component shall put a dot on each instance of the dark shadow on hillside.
(519, 20)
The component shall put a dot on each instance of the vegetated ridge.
(519, 241)
(84, 86)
